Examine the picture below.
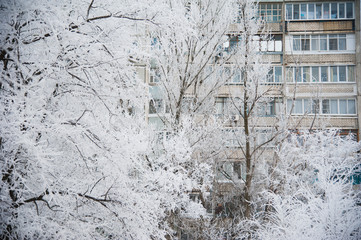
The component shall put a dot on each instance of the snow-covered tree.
(313, 195)
(193, 59)
(74, 145)
(252, 135)
(186, 55)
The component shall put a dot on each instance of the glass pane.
(303, 11)
(324, 74)
(227, 73)
(333, 74)
(296, 43)
(315, 106)
(298, 74)
(315, 74)
(323, 42)
(152, 107)
(342, 73)
(306, 74)
(351, 73)
(318, 11)
(278, 74)
(311, 11)
(333, 10)
(326, 11)
(332, 43)
(270, 75)
(236, 76)
(351, 106)
(341, 10)
(270, 109)
(289, 74)
(296, 11)
(307, 106)
(305, 44)
(334, 107)
(326, 106)
(220, 106)
(343, 106)
(289, 105)
(342, 42)
(289, 11)
(298, 106)
(315, 42)
(349, 10)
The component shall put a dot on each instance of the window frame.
(348, 69)
(319, 10)
(320, 106)
(319, 43)
(157, 106)
(266, 12)
(271, 78)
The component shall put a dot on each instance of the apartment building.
(316, 45)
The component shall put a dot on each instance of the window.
(305, 43)
(231, 44)
(329, 42)
(234, 137)
(325, 106)
(297, 107)
(221, 106)
(271, 107)
(296, 43)
(273, 44)
(296, 11)
(288, 11)
(326, 10)
(306, 74)
(274, 75)
(263, 136)
(332, 42)
(342, 42)
(351, 74)
(341, 10)
(341, 74)
(333, 74)
(319, 11)
(231, 75)
(324, 74)
(237, 77)
(228, 170)
(315, 74)
(349, 10)
(315, 42)
(321, 74)
(334, 11)
(309, 11)
(270, 12)
(339, 106)
(323, 42)
(157, 106)
(298, 74)
(303, 11)
(154, 76)
(162, 136)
